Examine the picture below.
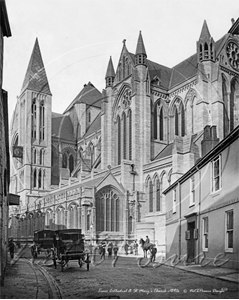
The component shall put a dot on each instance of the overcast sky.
(77, 37)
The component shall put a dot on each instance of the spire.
(110, 74)
(110, 70)
(140, 49)
(205, 34)
(205, 45)
(36, 78)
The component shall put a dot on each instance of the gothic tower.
(141, 107)
(31, 129)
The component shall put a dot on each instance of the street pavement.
(24, 281)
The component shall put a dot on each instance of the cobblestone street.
(38, 280)
(127, 281)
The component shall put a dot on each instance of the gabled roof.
(88, 95)
(36, 78)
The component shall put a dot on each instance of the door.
(191, 242)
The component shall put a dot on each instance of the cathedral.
(103, 164)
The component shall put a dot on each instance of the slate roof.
(167, 151)
(94, 126)
(36, 78)
(183, 71)
(62, 127)
(88, 95)
(164, 73)
(171, 77)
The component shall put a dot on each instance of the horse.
(145, 246)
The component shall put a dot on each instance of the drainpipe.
(180, 234)
(199, 211)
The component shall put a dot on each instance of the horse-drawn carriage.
(62, 246)
(43, 242)
(69, 245)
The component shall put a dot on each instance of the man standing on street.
(11, 247)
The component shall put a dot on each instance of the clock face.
(17, 152)
(233, 55)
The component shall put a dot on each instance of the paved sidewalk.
(211, 271)
(23, 282)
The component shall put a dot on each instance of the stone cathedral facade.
(103, 163)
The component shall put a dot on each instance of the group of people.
(133, 248)
(111, 248)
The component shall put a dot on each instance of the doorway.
(191, 242)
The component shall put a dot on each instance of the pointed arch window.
(130, 133)
(150, 195)
(119, 140)
(200, 52)
(206, 52)
(39, 179)
(176, 120)
(34, 118)
(157, 192)
(35, 178)
(182, 121)
(42, 157)
(211, 51)
(107, 210)
(161, 119)
(64, 160)
(71, 163)
(124, 136)
(34, 156)
(156, 122)
(42, 122)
